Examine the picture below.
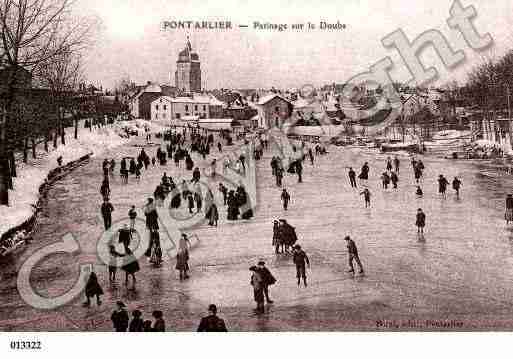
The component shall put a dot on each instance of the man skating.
(107, 210)
(212, 323)
(353, 255)
(352, 177)
(268, 279)
(300, 260)
(285, 197)
(367, 196)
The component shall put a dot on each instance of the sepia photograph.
(272, 166)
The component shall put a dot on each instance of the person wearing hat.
(93, 289)
(120, 318)
(212, 323)
(268, 279)
(300, 258)
(442, 185)
(508, 216)
(158, 325)
(421, 221)
(258, 288)
(285, 197)
(137, 323)
(353, 254)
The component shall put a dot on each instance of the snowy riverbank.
(32, 175)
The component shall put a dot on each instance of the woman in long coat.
(93, 289)
(131, 267)
(233, 207)
(213, 215)
(182, 264)
(276, 237)
(257, 283)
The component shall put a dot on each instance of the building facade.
(273, 110)
(188, 70)
(175, 109)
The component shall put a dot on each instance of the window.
(165, 107)
(157, 107)
(186, 107)
(204, 107)
(277, 109)
(195, 107)
(177, 116)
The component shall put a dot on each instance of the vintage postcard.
(282, 166)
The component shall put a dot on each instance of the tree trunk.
(12, 164)
(63, 133)
(55, 136)
(33, 148)
(76, 127)
(47, 135)
(25, 152)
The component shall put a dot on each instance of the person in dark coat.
(182, 263)
(190, 201)
(212, 323)
(385, 178)
(120, 318)
(299, 171)
(137, 323)
(125, 236)
(133, 166)
(287, 234)
(189, 163)
(196, 175)
(364, 174)
(158, 325)
(131, 266)
(508, 215)
(352, 178)
(258, 288)
(420, 221)
(394, 179)
(276, 237)
(93, 289)
(105, 189)
(353, 255)
(285, 197)
(268, 279)
(113, 268)
(456, 185)
(442, 185)
(106, 210)
(176, 199)
(367, 197)
(213, 215)
(233, 207)
(300, 259)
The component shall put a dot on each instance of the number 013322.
(25, 345)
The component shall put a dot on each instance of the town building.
(140, 104)
(175, 109)
(272, 110)
(188, 70)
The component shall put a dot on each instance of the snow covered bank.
(31, 176)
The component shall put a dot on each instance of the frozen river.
(461, 273)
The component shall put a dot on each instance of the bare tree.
(62, 76)
(33, 32)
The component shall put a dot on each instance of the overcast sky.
(132, 42)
